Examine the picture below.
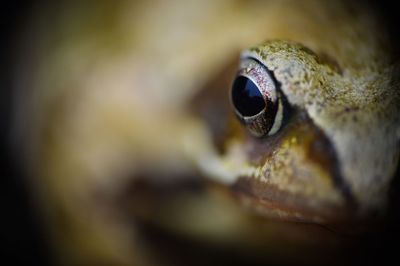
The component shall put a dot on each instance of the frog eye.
(256, 99)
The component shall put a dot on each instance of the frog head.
(323, 142)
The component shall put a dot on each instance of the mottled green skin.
(357, 108)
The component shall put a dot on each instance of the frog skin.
(108, 104)
(340, 164)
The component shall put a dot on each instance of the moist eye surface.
(256, 98)
(246, 97)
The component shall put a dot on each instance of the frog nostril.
(246, 97)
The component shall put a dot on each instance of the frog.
(305, 81)
(136, 130)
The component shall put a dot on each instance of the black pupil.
(246, 97)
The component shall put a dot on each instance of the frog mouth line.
(272, 203)
(163, 209)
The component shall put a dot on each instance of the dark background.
(21, 231)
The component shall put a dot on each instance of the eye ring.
(256, 100)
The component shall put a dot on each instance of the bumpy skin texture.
(356, 108)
